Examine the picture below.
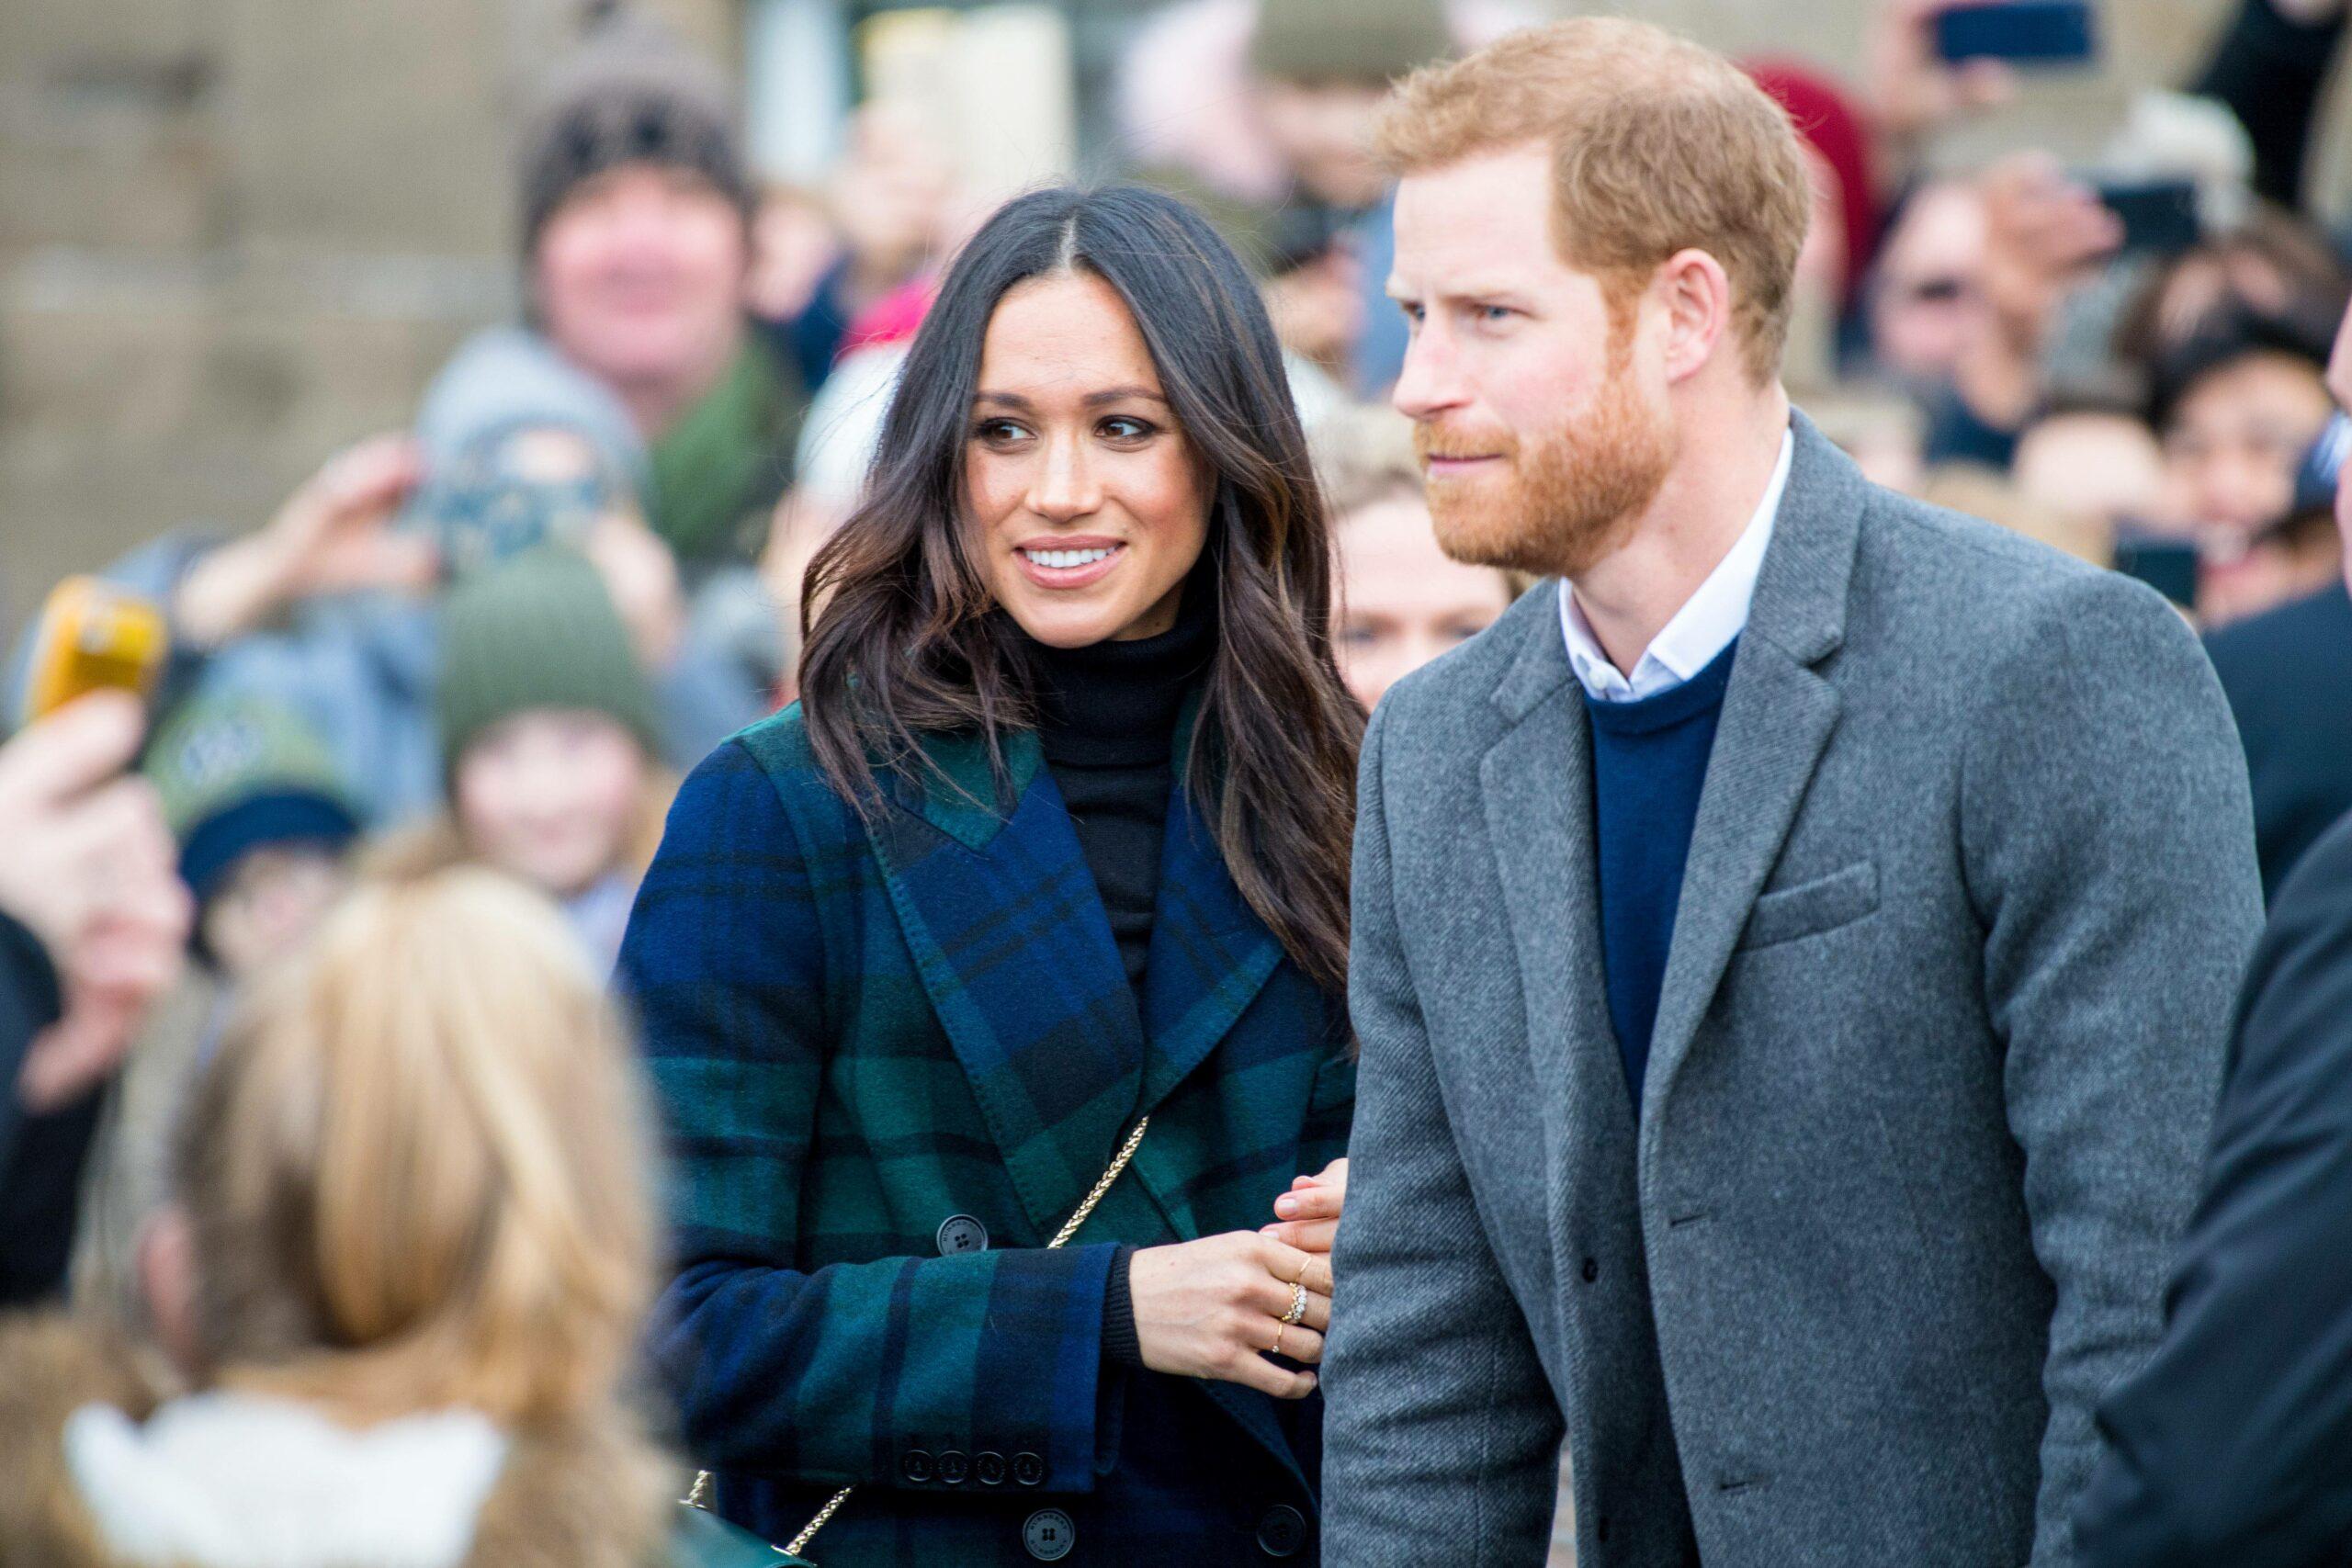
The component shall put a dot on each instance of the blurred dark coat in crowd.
(2288, 674)
(1970, 892)
(2270, 70)
(590, 1497)
(893, 1060)
(41, 1156)
(2233, 1444)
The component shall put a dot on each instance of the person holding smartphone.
(93, 923)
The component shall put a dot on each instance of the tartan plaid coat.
(857, 1034)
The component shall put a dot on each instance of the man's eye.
(1492, 314)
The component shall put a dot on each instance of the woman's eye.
(1124, 427)
(998, 431)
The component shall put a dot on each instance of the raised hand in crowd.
(1214, 1308)
(2045, 236)
(88, 871)
(1909, 90)
(641, 572)
(333, 535)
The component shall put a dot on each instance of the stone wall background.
(235, 234)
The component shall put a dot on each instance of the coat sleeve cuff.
(1120, 1345)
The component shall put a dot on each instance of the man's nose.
(1430, 382)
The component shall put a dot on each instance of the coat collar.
(1778, 715)
(1015, 951)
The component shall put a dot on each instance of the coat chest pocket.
(1812, 907)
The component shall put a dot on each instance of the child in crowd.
(1402, 603)
(2236, 408)
(266, 830)
(551, 734)
(397, 1286)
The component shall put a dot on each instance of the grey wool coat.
(1940, 1036)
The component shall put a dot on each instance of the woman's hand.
(1309, 1219)
(1213, 1308)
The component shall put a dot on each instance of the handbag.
(800, 1543)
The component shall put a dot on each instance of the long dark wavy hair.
(908, 640)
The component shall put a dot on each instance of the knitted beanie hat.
(631, 93)
(485, 496)
(237, 773)
(1371, 41)
(537, 631)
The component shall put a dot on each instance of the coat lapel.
(1778, 715)
(1016, 955)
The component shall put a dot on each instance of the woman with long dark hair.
(994, 992)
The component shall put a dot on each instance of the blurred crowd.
(491, 642)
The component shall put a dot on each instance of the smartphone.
(93, 636)
(2025, 32)
(2168, 566)
(2158, 216)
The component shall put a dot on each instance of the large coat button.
(1049, 1535)
(1282, 1531)
(961, 1233)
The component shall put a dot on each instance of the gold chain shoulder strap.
(800, 1543)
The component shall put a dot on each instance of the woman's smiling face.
(1090, 507)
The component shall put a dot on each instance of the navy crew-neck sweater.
(1649, 762)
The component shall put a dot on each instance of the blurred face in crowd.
(1089, 504)
(640, 276)
(1925, 302)
(1402, 603)
(2236, 436)
(273, 896)
(1324, 131)
(1542, 421)
(550, 798)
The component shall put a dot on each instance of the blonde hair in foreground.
(1657, 146)
(416, 1172)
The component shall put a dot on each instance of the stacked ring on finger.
(1297, 1304)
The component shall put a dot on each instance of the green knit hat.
(235, 772)
(537, 631)
(1373, 42)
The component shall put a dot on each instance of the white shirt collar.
(1703, 628)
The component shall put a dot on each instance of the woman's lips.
(1068, 577)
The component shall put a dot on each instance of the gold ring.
(1297, 1304)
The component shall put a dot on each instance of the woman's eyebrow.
(1091, 400)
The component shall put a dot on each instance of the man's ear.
(166, 1270)
(1694, 294)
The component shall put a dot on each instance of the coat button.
(955, 1467)
(1049, 1535)
(989, 1469)
(915, 1465)
(961, 1233)
(1029, 1470)
(1282, 1531)
(1591, 1269)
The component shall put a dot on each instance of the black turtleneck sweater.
(1107, 720)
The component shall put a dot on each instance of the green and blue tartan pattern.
(855, 1032)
